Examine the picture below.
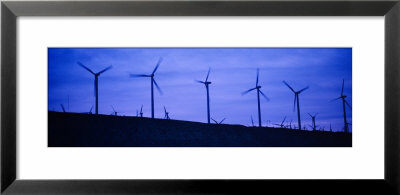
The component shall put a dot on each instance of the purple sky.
(233, 70)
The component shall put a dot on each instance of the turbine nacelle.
(89, 70)
(205, 82)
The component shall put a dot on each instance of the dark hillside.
(80, 130)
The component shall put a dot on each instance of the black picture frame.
(11, 10)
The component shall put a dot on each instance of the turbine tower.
(96, 83)
(257, 87)
(314, 127)
(343, 97)
(206, 83)
(153, 82)
(296, 100)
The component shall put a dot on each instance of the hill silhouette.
(87, 130)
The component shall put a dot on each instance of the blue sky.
(233, 70)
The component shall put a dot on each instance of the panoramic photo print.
(199, 97)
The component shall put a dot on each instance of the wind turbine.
(90, 111)
(343, 97)
(281, 125)
(217, 121)
(258, 97)
(313, 121)
(114, 112)
(330, 127)
(206, 83)
(141, 111)
(96, 82)
(166, 114)
(153, 82)
(296, 100)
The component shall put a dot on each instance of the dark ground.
(87, 130)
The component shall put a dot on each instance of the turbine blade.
(138, 75)
(141, 109)
(258, 71)
(83, 66)
(208, 74)
(336, 99)
(284, 82)
(214, 120)
(264, 95)
(283, 120)
(165, 110)
(222, 121)
(200, 81)
(347, 103)
(113, 108)
(341, 93)
(249, 90)
(305, 88)
(62, 107)
(158, 64)
(158, 88)
(294, 103)
(91, 108)
(108, 68)
(309, 114)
